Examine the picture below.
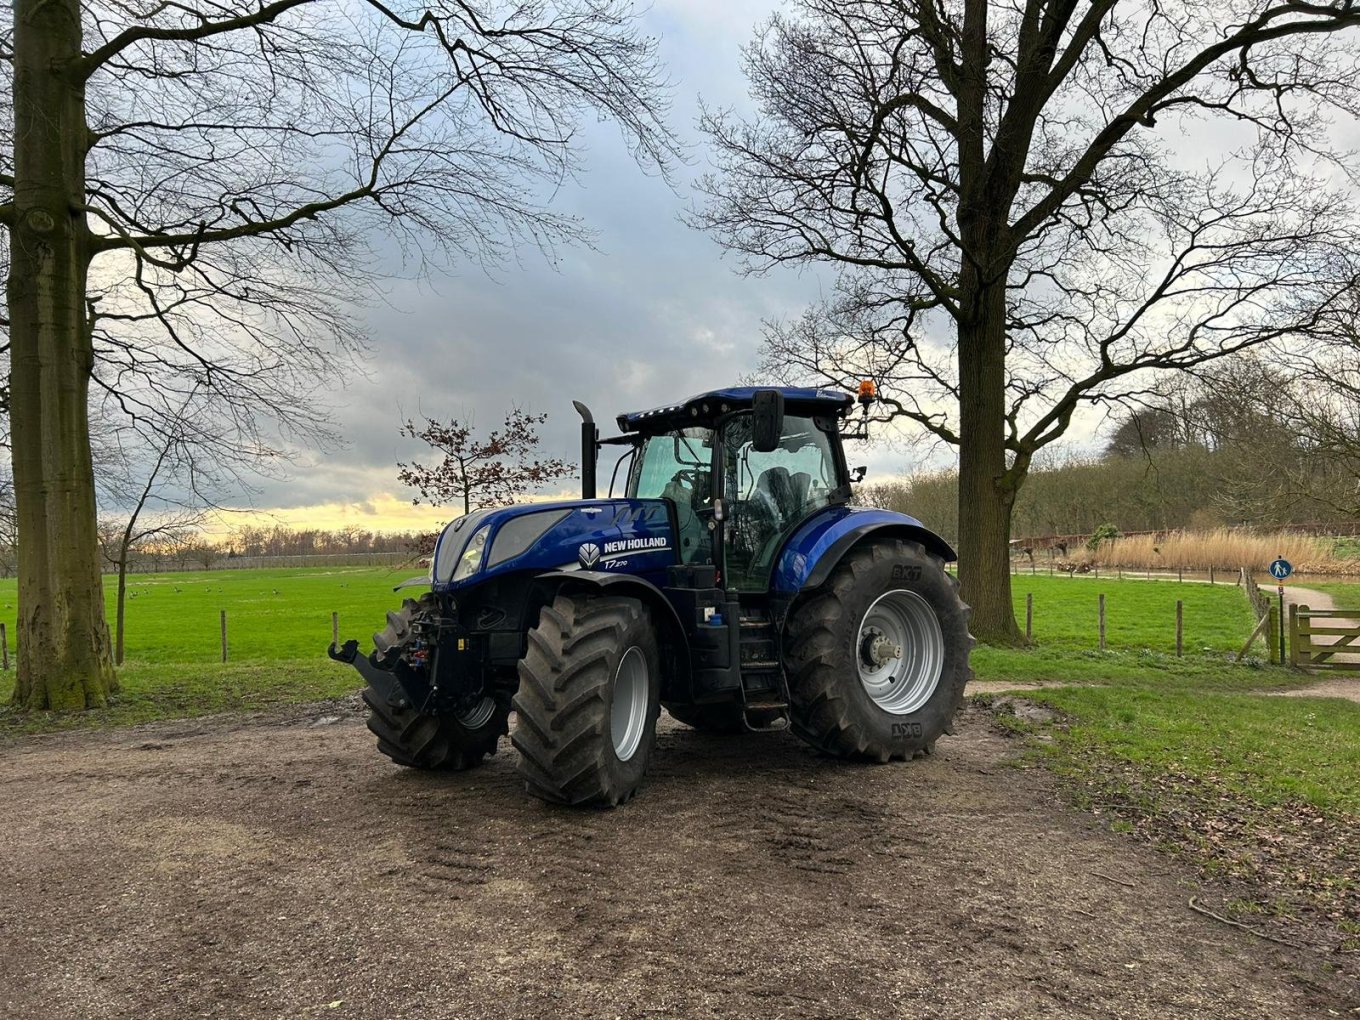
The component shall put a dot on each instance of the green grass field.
(1192, 753)
(1140, 645)
(278, 627)
(279, 623)
(271, 614)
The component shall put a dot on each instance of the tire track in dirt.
(269, 870)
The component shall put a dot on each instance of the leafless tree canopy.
(198, 193)
(1129, 246)
(1035, 204)
(255, 168)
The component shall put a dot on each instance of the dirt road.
(283, 869)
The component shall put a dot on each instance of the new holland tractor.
(732, 584)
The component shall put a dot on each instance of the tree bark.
(986, 489)
(64, 658)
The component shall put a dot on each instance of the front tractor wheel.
(588, 700)
(454, 741)
(877, 660)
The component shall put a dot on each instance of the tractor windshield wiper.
(680, 437)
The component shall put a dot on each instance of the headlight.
(471, 560)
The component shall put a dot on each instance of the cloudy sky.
(654, 313)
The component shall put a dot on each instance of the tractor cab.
(743, 469)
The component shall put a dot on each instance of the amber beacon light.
(867, 392)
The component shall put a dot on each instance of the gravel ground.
(278, 867)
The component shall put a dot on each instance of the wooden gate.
(1339, 647)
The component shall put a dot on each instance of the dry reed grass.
(1221, 549)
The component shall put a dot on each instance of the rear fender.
(813, 551)
(671, 633)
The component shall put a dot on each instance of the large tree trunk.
(63, 640)
(986, 490)
(986, 494)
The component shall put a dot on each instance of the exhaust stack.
(590, 438)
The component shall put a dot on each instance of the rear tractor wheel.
(588, 700)
(877, 660)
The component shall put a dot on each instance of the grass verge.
(1191, 754)
(1260, 792)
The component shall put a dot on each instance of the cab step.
(766, 664)
(766, 716)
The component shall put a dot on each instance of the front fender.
(671, 630)
(813, 551)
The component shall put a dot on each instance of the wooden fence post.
(1298, 655)
(4, 649)
(1211, 575)
(1272, 632)
(224, 635)
(1029, 615)
(1180, 572)
(1180, 628)
(335, 630)
(1102, 623)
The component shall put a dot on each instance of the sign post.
(1279, 570)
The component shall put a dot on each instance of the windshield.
(678, 466)
(672, 458)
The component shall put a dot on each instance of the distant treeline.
(278, 540)
(1189, 487)
(1242, 444)
(253, 546)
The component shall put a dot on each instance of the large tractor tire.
(453, 742)
(589, 696)
(726, 718)
(877, 659)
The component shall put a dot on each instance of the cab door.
(767, 495)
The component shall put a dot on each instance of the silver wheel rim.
(900, 652)
(478, 715)
(628, 715)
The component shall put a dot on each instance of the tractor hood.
(635, 535)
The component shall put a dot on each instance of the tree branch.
(262, 15)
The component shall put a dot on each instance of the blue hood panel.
(631, 536)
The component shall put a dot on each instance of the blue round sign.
(1281, 569)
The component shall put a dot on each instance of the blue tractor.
(732, 584)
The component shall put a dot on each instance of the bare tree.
(1015, 234)
(481, 472)
(166, 482)
(188, 190)
(1281, 434)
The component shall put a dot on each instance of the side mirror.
(767, 420)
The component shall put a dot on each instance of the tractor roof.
(703, 408)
